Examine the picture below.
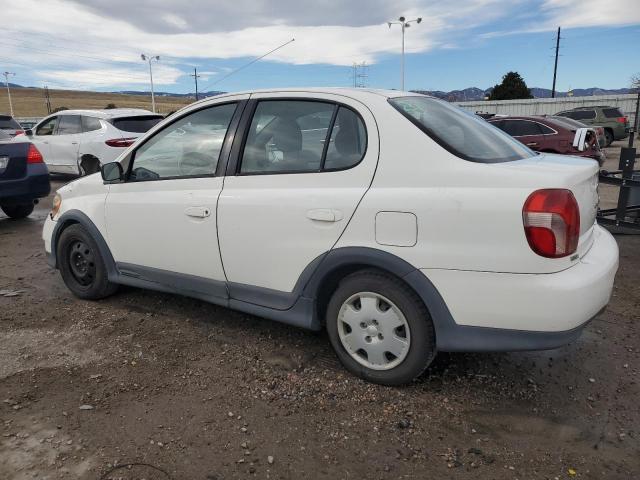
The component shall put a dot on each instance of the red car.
(544, 134)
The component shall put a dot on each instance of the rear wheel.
(18, 211)
(82, 266)
(608, 137)
(380, 329)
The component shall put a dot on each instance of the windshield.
(460, 132)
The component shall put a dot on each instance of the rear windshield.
(138, 124)
(462, 133)
(8, 123)
(612, 112)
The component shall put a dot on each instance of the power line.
(250, 63)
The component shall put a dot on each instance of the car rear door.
(292, 185)
(161, 221)
(526, 131)
(65, 143)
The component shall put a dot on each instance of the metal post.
(402, 60)
(555, 67)
(636, 121)
(153, 99)
(195, 77)
(6, 81)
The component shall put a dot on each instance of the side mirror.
(28, 132)
(112, 172)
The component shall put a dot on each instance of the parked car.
(575, 124)
(24, 178)
(399, 222)
(9, 126)
(543, 134)
(615, 122)
(79, 141)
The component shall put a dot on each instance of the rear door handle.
(324, 215)
(197, 212)
(532, 144)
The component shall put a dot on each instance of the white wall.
(549, 106)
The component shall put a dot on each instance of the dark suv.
(615, 123)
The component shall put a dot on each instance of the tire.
(81, 265)
(608, 137)
(18, 211)
(88, 165)
(411, 345)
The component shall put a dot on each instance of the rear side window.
(462, 133)
(579, 114)
(69, 124)
(8, 123)
(137, 124)
(297, 136)
(520, 128)
(91, 124)
(612, 112)
(546, 130)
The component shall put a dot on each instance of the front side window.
(47, 127)
(462, 133)
(189, 147)
(69, 124)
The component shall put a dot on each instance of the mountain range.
(468, 94)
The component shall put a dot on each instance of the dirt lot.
(200, 392)
(29, 102)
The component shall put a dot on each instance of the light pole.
(404, 23)
(147, 58)
(6, 81)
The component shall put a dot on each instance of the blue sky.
(95, 45)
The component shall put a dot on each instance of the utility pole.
(6, 81)
(404, 23)
(555, 67)
(47, 99)
(195, 77)
(359, 74)
(147, 58)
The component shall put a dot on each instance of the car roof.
(109, 113)
(361, 94)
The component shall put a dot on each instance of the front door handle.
(532, 144)
(324, 215)
(197, 212)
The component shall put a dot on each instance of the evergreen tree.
(513, 87)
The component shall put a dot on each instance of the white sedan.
(398, 222)
(77, 142)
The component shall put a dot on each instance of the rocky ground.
(180, 389)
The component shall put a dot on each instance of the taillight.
(19, 132)
(551, 220)
(621, 119)
(120, 142)
(34, 155)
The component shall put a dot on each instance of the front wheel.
(18, 211)
(81, 265)
(380, 329)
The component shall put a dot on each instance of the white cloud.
(104, 77)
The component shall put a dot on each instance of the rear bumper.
(508, 312)
(24, 190)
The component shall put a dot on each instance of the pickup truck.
(24, 178)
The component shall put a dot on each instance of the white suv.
(79, 141)
(398, 222)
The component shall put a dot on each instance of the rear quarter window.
(137, 124)
(460, 132)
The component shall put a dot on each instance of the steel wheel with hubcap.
(379, 328)
(82, 263)
(373, 331)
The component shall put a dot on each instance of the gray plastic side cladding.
(76, 216)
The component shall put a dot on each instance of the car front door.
(65, 142)
(41, 137)
(291, 188)
(161, 221)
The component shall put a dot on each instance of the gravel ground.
(188, 390)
